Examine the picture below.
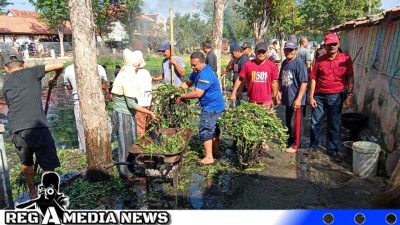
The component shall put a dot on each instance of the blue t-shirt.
(292, 75)
(212, 99)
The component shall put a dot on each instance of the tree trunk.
(91, 99)
(61, 36)
(217, 32)
(260, 24)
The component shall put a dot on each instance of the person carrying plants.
(126, 90)
(208, 91)
(332, 85)
(27, 122)
(176, 61)
(261, 76)
(293, 80)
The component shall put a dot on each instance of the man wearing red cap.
(331, 85)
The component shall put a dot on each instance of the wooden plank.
(388, 49)
(365, 49)
(396, 62)
(373, 43)
(378, 43)
(369, 47)
(383, 57)
(5, 187)
(395, 50)
(356, 42)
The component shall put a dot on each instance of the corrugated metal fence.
(374, 67)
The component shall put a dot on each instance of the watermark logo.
(50, 207)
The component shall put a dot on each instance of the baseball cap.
(10, 57)
(164, 47)
(234, 47)
(261, 46)
(246, 45)
(290, 45)
(331, 39)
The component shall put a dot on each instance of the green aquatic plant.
(249, 125)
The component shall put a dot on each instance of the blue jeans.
(331, 104)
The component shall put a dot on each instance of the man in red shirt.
(331, 85)
(261, 76)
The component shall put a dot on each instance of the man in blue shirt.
(208, 91)
(176, 61)
(293, 80)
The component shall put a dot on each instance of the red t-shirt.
(331, 75)
(259, 80)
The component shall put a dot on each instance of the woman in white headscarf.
(144, 99)
(126, 91)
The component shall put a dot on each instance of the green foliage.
(190, 31)
(285, 19)
(63, 126)
(167, 145)
(170, 113)
(320, 15)
(3, 4)
(102, 18)
(106, 12)
(308, 17)
(235, 26)
(53, 12)
(249, 125)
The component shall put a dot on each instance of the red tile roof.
(145, 18)
(23, 13)
(27, 25)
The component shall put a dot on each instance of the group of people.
(327, 87)
(330, 84)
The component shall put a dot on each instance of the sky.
(162, 6)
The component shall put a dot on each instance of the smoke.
(178, 6)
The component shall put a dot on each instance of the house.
(24, 26)
(160, 20)
(375, 40)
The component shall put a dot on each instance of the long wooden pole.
(171, 28)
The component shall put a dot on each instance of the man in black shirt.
(211, 58)
(240, 60)
(27, 121)
(246, 47)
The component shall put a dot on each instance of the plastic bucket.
(365, 158)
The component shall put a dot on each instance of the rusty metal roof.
(392, 14)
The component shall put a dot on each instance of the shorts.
(209, 127)
(38, 141)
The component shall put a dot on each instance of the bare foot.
(291, 150)
(206, 161)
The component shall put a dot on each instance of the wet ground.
(286, 181)
(283, 181)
